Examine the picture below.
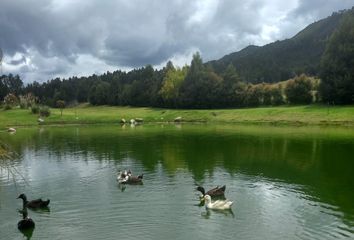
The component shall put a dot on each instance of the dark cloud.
(317, 9)
(64, 37)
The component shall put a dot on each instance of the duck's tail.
(223, 188)
(46, 203)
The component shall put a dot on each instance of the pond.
(285, 182)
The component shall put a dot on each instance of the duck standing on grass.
(217, 205)
(38, 203)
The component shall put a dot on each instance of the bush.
(277, 96)
(35, 109)
(7, 107)
(23, 105)
(253, 95)
(27, 100)
(11, 100)
(44, 111)
(267, 94)
(299, 90)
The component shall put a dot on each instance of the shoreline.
(310, 115)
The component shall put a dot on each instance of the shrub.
(23, 105)
(27, 100)
(277, 96)
(44, 111)
(299, 90)
(267, 94)
(35, 109)
(253, 95)
(7, 107)
(11, 100)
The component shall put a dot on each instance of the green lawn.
(83, 114)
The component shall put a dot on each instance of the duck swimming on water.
(26, 222)
(217, 205)
(123, 176)
(126, 177)
(135, 179)
(37, 203)
(215, 192)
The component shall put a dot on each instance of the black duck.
(26, 222)
(37, 203)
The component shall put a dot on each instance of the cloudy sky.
(43, 39)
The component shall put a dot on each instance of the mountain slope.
(284, 59)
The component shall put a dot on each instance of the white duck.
(217, 205)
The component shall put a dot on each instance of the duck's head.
(201, 189)
(207, 199)
(22, 196)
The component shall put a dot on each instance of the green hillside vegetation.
(337, 66)
(284, 59)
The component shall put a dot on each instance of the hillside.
(282, 60)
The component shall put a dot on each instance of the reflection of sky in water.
(37, 166)
(283, 188)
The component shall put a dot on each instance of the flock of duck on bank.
(126, 177)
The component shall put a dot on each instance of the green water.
(286, 182)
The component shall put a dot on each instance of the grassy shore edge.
(284, 115)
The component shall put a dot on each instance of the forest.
(206, 85)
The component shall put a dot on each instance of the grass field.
(84, 114)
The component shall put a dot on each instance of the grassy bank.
(314, 114)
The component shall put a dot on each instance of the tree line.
(198, 85)
(194, 86)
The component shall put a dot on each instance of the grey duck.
(215, 192)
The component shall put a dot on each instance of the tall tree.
(61, 105)
(98, 94)
(337, 65)
(231, 86)
(10, 84)
(172, 82)
(190, 89)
